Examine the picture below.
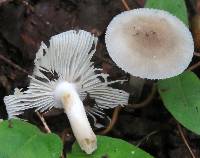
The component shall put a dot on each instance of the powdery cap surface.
(68, 58)
(149, 43)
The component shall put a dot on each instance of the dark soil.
(24, 24)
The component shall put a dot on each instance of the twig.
(8, 61)
(194, 66)
(112, 122)
(146, 101)
(193, 6)
(197, 6)
(125, 5)
(197, 54)
(43, 122)
(185, 140)
(10, 125)
(146, 138)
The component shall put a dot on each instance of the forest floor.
(24, 24)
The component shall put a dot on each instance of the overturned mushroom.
(62, 78)
(149, 43)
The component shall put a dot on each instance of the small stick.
(146, 101)
(146, 138)
(194, 66)
(10, 125)
(113, 121)
(193, 6)
(43, 122)
(125, 5)
(8, 61)
(185, 140)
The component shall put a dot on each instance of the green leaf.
(181, 96)
(175, 7)
(110, 148)
(20, 139)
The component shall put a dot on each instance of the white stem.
(76, 114)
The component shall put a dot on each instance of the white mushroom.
(149, 43)
(62, 78)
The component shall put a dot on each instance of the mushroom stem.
(76, 114)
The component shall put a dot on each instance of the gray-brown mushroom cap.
(149, 43)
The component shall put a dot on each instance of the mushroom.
(149, 43)
(63, 76)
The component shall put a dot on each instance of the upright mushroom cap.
(149, 43)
